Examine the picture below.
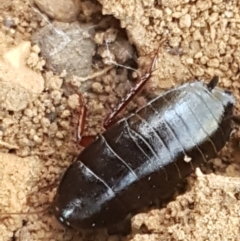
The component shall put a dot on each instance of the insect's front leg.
(111, 118)
(81, 118)
(82, 140)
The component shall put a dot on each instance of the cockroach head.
(74, 204)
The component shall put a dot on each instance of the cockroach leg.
(82, 118)
(109, 120)
(83, 140)
(86, 140)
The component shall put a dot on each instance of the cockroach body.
(144, 156)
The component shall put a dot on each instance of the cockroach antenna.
(43, 211)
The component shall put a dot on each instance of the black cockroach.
(144, 156)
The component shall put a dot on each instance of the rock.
(185, 21)
(61, 10)
(66, 47)
(19, 84)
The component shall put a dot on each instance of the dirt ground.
(39, 112)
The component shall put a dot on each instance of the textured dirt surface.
(38, 118)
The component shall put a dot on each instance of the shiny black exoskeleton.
(144, 156)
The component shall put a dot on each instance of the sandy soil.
(38, 119)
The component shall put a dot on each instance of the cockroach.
(144, 156)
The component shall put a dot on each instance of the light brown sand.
(202, 40)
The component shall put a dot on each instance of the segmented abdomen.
(144, 156)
